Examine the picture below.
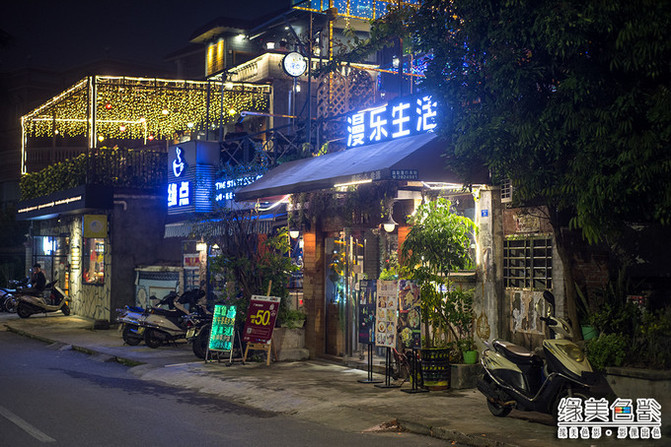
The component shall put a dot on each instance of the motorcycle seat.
(515, 353)
(167, 312)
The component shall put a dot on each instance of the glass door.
(344, 268)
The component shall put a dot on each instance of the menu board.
(261, 316)
(222, 333)
(409, 319)
(386, 313)
(367, 310)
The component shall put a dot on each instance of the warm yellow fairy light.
(132, 108)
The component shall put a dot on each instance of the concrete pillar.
(489, 303)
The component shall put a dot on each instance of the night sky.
(63, 34)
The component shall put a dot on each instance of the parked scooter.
(514, 377)
(131, 318)
(163, 326)
(29, 304)
(8, 295)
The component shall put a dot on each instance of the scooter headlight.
(574, 352)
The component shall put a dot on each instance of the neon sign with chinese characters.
(399, 118)
(179, 192)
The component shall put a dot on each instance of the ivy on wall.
(104, 166)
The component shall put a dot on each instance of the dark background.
(63, 34)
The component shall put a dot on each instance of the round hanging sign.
(294, 64)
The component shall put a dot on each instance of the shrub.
(607, 350)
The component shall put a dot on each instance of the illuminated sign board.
(191, 170)
(179, 192)
(225, 189)
(397, 119)
(222, 334)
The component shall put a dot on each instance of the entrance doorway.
(344, 257)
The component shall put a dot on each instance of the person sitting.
(37, 280)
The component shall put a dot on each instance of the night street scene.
(335, 222)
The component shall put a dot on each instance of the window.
(51, 253)
(527, 263)
(93, 261)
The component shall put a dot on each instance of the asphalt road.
(52, 395)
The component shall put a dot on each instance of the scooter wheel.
(498, 410)
(129, 337)
(22, 311)
(152, 338)
(65, 309)
(200, 342)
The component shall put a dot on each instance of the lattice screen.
(341, 92)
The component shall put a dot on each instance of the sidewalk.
(313, 390)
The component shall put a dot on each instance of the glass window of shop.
(93, 261)
(51, 253)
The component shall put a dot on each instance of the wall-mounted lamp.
(201, 246)
(390, 224)
(293, 234)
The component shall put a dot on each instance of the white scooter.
(132, 318)
(52, 299)
(514, 377)
(163, 326)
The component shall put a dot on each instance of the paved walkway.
(314, 390)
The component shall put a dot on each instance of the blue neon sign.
(399, 118)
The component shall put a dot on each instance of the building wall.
(136, 237)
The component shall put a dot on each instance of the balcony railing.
(131, 168)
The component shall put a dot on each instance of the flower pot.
(588, 332)
(470, 357)
(436, 369)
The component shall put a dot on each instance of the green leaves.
(570, 100)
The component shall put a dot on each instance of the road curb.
(449, 434)
(88, 351)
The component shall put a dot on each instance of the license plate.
(190, 333)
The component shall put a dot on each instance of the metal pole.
(221, 114)
(207, 113)
(309, 121)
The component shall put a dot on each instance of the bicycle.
(402, 367)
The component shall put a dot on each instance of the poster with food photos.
(409, 318)
(386, 313)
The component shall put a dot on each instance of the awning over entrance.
(412, 158)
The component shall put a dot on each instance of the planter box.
(633, 383)
(290, 344)
(464, 375)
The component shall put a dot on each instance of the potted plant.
(438, 244)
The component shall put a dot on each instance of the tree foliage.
(569, 99)
(438, 244)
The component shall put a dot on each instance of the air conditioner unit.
(506, 191)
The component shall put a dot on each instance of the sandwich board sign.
(261, 316)
(222, 333)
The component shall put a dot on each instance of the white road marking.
(32, 431)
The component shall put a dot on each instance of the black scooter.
(514, 377)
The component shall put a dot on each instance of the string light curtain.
(133, 108)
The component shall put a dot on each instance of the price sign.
(261, 316)
(222, 333)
